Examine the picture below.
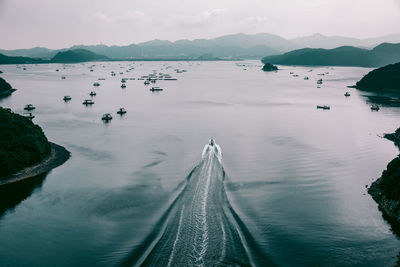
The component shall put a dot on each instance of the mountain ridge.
(380, 55)
(238, 45)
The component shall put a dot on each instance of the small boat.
(92, 93)
(123, 85)
(123, 81)
(375, 108)
(96, 84)
(121, 111)
(29, 115)
(319, 81)
(146, 82)
(170, 79)
(153, 89)
(88, 102)
(106, 117)
(347, 94)
(101, 79)
(295, 75)
(91, 70)
(62, 77)
(324, 107)
(67, 98)
(29, 107)
(57, 70)
(306, 78)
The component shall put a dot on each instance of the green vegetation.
(269, 67)
(341, 56)
(387, 77)
(77, 55)
(22, 143)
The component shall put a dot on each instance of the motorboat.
(153, 89)
(96, 84)
(347, 94)
(29, 107)
(319, 81)
(375, 108)
(67, 98)
(211, 142)
(88, 102)
(106, 117)
(325, 107)
(121, 111)
(92, 93)
(306, 78)
(123, 85)
(146, 82)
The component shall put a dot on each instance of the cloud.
(205, 18)
(128, 17)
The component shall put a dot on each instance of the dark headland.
(386, 190)
(5, 88)
(384, 78)
(25, 151)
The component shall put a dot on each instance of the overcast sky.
(62, 23)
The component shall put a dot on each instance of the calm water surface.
(293, 177)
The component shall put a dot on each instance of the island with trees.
(25, 151)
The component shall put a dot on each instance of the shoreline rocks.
(386, 189)
(58, 156)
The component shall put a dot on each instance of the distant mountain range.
(69, 56)
(381, 55)
(328, 42)
(236, 46)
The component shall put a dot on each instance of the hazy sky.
(62, 23)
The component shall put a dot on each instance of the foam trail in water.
(200, 228)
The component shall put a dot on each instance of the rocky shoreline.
(385, 190)
(57, 157)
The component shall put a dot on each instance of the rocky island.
(269, 67)
(5, 88)
(25, 151)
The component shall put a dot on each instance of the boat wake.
(200, 228)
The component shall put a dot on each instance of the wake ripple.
(200, 228)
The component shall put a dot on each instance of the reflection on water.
(13, 194)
